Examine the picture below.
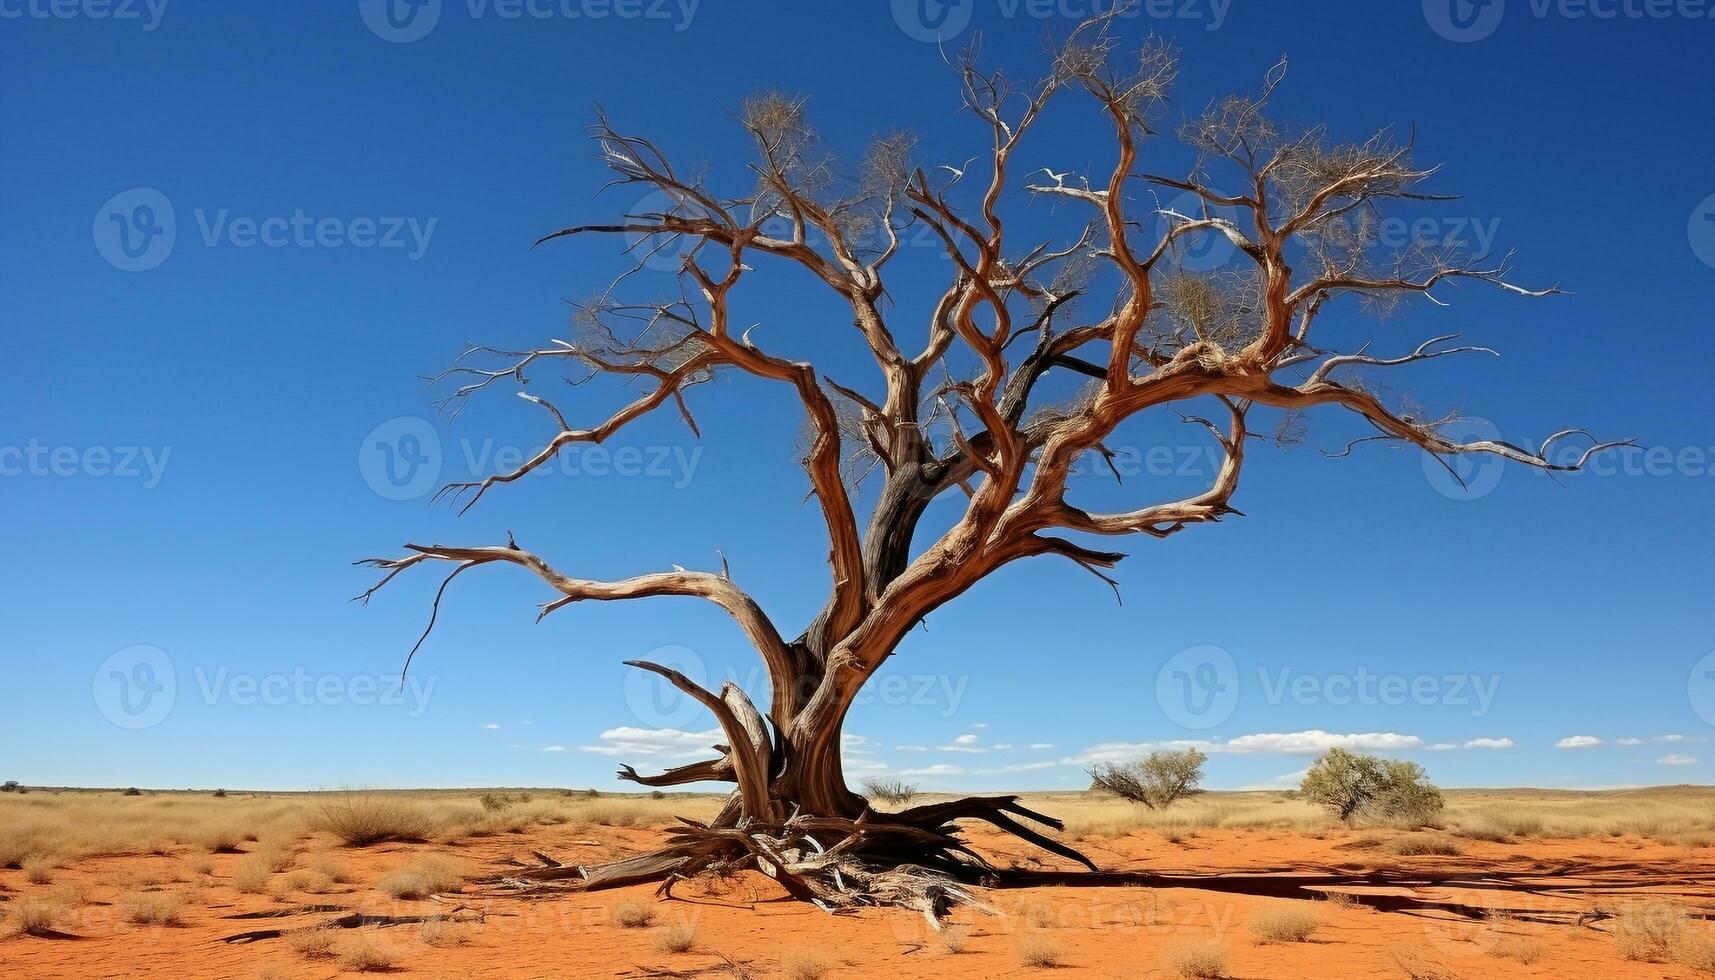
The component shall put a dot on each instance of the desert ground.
(1521, 883)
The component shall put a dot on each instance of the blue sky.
(182, 428)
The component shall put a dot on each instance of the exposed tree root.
(913, 859)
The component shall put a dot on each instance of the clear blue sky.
(181, 445)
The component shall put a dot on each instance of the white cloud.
(653, 741)
(1286, 780)
(491, 726)
(963, 743)
(553, 748)
(912, 748)
(855, 744)
(1668, 738)
(1017, 767)
(980, 724)
(1312, 742)
(1629, 741)
(1489, 743)
(1578, 742)
(865, 765)
(1002, 746)
(1040, 745)
(939, 769)
(1677, 759)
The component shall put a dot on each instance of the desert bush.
(1038, 951)
(632, 915)
(894, 791)
(360, 953)
(955, 937)
(656, 794)
(132, 791)
(1156, 781)
(336, 870)
(309, 881)
(1349, 785)
(314, 943)
(1524, 949)
(1338, 900)
(152, 908)
(1651, 931)
(31, 914)
(38, 870)
(362, 819)
(678, 937)
(442, 933)
(804, 965)
(11, 786)
(250, 876)
(1290, 924)
(1418, 845)
(1200, 961)
(423, 877)
(220, 794)
(495, 802)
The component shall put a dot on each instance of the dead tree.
(965, 409)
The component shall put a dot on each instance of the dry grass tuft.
(33, 915)
(1202, 961)
(316, 943)
(424, 876)
(1661, 932)
(153, 908)
(1417, 967)
(250, 876)
(633, 915)
(955, 937)
(442, 933)
(805, 966)
(1038, 951)
(362, 819)
(337, 871)
(677, 937)
(1421, 845)
(38, 870)
(1524, 949)
(1290, 924)
(361, 954)
(1339, 901)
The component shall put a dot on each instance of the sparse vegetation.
(152, 908)
(443, 933)
(38, 870)
(1418, 845)
(315, 943)
(1349, 785)
(362, 819)
(633, 915)
(32, 914)
(424, 876)
(1199, 961)
(955, 937)
(895, 792)
(1285, 924)
(1038, 951)
(805, 965)
(1662, 932)
(11, 786)
(360, 953)
(1156, 782)
(676, 937)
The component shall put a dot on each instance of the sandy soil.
(1428, 916)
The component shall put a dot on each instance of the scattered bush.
(315, 943)
(362, 819)
(442, 933)
(805, 966)
(1349, 785)
(132, 791)
(152, 908)
(31, 914)
(633, 915)
(896, 792)
(361, 954)
(679, 937)
(423, 877)
(1038, 951)
(251, 876)
(1199, 962)
(657, 795)
(39, 870)
(1155, 782)
(955, 937)
(1418, 845)
(495, 802)
(11, 786)
(1524, 949)
(1290, 924)
(335, 869)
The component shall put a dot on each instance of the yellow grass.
(31, 914)
(805, 965)
(678, 937)
(1285, 924)
(1038, 951)
(424, 876)
(152, 908)
(1200, 961)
